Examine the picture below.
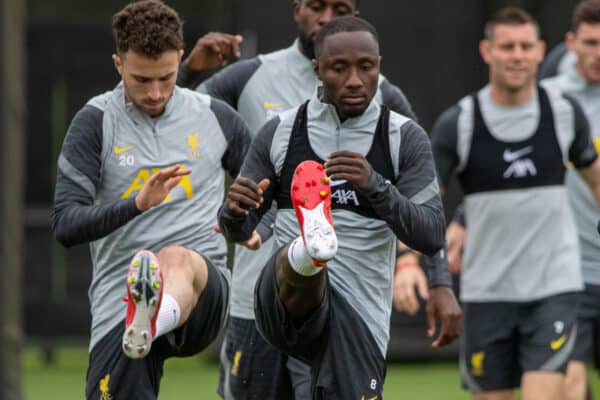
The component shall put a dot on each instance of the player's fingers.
(166, 173)
(182, 172)
(217, 229)
(237, 40)
(246, 187)
(412, 304)
(263, 185)
(235, 208)
(244, 199)
(172, 182)
(422, 287)
(215, 47)
(445, 336)
(401, 300)
(430, 321)
(343, 153)
(454, 264)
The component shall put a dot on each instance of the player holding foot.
(123, 187)
(261, 88)
(325, 295)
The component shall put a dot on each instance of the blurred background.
(56, 54)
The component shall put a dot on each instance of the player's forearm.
(191, 79)
(265, 226)
(438, 273)
(75, 219)
(419, 226)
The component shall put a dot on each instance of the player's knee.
(575, 383)
(177, 260)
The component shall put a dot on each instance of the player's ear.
(484, 50)
(315, 66)
(118, 63)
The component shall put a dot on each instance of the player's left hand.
(408, 280)
(350, 166)
(442, 305)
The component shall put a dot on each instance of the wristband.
(406, 264)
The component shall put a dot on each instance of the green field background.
(196, 378)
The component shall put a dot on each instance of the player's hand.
(158, 186)
(455, 241)
(350, 166)
(213, 50)
(245, 194)
(253, 243)
(442, 305)
(408, 280)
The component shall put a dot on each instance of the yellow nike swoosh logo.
(268, 104)
(119, 150)
(557, 344)
(597, 144)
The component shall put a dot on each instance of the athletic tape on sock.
(168, 315)
(299, 259)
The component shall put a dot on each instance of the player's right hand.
(245, 194)
(158, 186)
(215, 49)
(455, 242)
(253, 243)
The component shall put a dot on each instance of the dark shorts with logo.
(112, 375)
(503, 340)
(587, 345)
(250, 367)
(345, 360)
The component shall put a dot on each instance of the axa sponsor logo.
(143, 176)
(343, 196)
(519, 167)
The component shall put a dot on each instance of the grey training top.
(585, 209)
(111, 149)
(260, 88)
(521, 244)
(410, 209)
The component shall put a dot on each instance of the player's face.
(148, 82)
(311, 15)
(513, 55)
(585, 42)
(348, 66)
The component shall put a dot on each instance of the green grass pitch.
(196, 378)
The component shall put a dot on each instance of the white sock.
(299, 259)
(168, 315)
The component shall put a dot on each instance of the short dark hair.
(346, 23)
(509, 16)
(355, 2)
(148, 27)
(588, 11)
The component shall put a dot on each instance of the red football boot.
(144, 295)
(311, 197)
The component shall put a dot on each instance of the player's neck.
(508, 97)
